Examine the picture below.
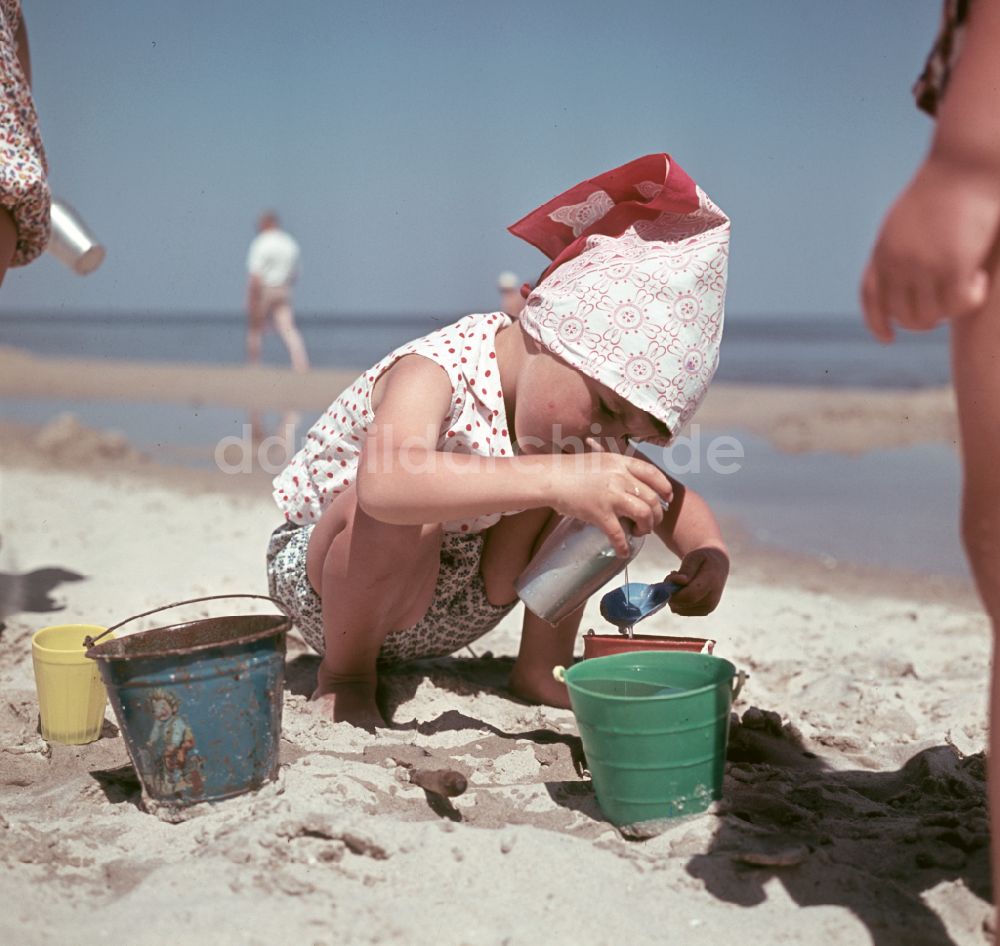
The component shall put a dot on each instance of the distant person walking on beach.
(273, 267)
(936, 259)
(24, 190)
(511, 300)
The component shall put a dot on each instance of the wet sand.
(794, 418)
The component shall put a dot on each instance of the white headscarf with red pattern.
(635, 294)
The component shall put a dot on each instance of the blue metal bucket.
(199, 703)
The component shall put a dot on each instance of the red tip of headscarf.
(640, 190)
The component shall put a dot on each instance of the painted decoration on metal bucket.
(170, 752)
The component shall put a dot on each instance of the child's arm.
(404, 479)
(930, 259)
(690, 531)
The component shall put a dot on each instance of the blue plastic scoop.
(626, 606)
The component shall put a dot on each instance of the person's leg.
(255, 330)
(373, 578)
(510, 545)
(284, 322)
(976, 370)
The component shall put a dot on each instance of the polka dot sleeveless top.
(476, 424)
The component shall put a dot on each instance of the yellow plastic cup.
(71, 696)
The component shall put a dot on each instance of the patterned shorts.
(459, 613)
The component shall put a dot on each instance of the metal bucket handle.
(89, 641)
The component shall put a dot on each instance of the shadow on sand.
(32, 591)
(874, 842)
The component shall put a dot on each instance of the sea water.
(827, 351)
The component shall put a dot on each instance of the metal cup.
(71, 242)
(573, 562)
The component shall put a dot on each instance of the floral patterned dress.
(24, 190)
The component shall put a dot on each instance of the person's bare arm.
(404, 479)
(931, 259)
(689, 529)
(968, 120)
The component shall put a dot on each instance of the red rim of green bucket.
(607, 645)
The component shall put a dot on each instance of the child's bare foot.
(538, 686)
(348, 700)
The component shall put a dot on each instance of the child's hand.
(928, 262)
(703, 574)
(601, 488)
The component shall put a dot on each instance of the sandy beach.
(854, 798)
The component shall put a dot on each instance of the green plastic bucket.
(654, 726)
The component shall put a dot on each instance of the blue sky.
(399, 139)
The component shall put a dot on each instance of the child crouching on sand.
(423, 491)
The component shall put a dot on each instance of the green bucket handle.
(559, 672)
(89, 641)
